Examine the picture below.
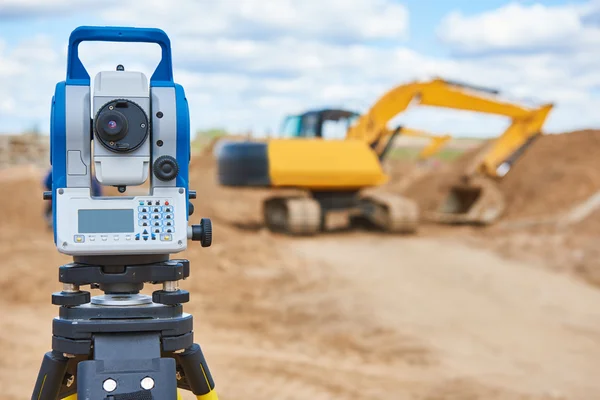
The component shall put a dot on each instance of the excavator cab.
(318, 124)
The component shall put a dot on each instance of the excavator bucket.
(477, 202)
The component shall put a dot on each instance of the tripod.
(123, 345)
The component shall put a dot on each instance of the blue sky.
(245, 64)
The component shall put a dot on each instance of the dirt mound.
(22, 202)
(554, 174)
(430, 189)
(24, 149)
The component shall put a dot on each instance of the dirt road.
(499, 322)
(422, 319)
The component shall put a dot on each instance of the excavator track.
(392, 213)
(294, 216)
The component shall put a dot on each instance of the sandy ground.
(447, 314)
(349, 316)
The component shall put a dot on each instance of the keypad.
(156, 220)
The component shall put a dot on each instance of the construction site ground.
(510, 311)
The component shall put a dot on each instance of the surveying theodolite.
(122, 345)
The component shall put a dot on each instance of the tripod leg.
(50, 377)
(196, 373)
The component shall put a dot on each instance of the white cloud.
(28, 74)
(516, 27)
(324, 20)
(28, 8)
(240, 75)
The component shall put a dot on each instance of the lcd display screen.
(106, 221)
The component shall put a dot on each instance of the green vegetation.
(210, 133)
(412, 153)
(204, 136)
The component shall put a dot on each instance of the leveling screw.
(70, 288)
(171, 286)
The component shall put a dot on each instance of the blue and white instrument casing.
(116, 225)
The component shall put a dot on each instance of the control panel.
(153, 224)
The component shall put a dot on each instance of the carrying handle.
(76, 72)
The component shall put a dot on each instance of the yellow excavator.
(311, 177)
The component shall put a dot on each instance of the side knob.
(165, 168)
(203, 232)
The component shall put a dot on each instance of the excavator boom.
(509, 146)
(526, 122)
(476, 199)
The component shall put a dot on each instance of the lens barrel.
(112, 126)
(121, 126)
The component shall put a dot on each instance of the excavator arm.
(436, 142)
(372, 126)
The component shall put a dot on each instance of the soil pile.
(24, 149)
(556, 173)
(430, 189)
(22, 203)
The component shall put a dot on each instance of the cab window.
(291, 127)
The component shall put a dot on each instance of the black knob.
(203, 232)
(192, 194)
(70, 298)
(166, 168)
(170, 298)
(47, 195)
(190, 208)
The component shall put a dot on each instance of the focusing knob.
(166, 168)
(203, 232)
